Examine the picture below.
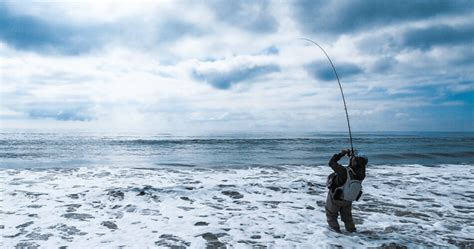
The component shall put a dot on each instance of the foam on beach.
(409, 205)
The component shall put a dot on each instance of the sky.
(236, 66)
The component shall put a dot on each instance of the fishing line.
(340, 87)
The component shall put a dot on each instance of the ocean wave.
(256, 207)
(224, 151)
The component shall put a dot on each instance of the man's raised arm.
(339, 169)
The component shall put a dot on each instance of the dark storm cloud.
(456, 41)
(323, 71)
(224, 80)
(338, 17)
(28, 33)
(440, 35)
(254, 16)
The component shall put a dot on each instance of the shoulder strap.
(351, 170)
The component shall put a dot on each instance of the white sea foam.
(281, 208)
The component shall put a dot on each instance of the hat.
(362, 155)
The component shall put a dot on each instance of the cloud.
(464, 56)
(235, 65)
(62, 115)
(225, 80)
(59, 111)
(462, 86)
(323, 70)
(438, 35)
(254, 16)
(172, 29)
(338, 17)
(453, 103)
(29, 33)
(384, 64)
(272, 50)
(48, 36)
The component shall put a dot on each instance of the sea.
(239, 190)
(62, 150)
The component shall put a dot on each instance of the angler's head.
(359, 159)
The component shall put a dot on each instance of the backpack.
(352, 188)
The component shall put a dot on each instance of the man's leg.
(332, 212)
(346, 217)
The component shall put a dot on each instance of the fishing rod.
(340, 87)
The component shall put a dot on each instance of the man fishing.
(344, 187)
(345, 183)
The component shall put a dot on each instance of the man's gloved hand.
(346, 152)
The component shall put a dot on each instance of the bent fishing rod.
(340, 87)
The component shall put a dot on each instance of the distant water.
(47, 150)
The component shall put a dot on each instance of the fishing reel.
(351, 153)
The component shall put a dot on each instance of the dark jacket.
(341, 174)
